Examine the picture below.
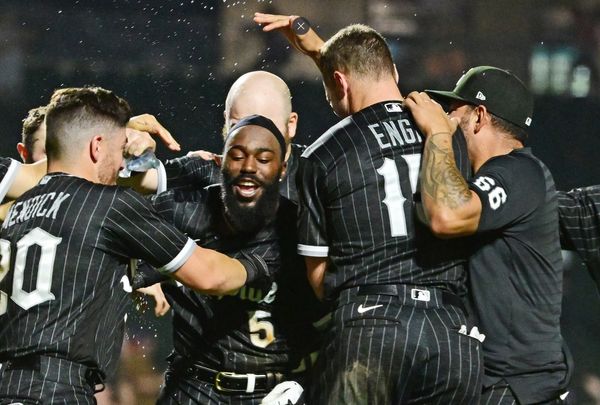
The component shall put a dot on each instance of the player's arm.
(315, 271)
(579, 218)
(211, 272)
(297, 31)
(27, 177)
(451, 209)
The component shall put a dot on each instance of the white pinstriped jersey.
(62, 243)
(356, 187)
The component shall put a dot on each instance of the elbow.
(444, 226)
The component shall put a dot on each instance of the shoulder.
(190, 194)
(519, 165)
(325, 140)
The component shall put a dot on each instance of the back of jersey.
(357, 190)
(49, 301)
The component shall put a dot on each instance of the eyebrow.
(244, 149)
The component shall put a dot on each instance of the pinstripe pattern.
(185, 171)
(579, 211)
(91, 230)
(56, 382)
(407, 354)
(8, 172)
(345, 213)
(216, 332)
(358, 188)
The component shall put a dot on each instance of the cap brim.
(445, 95)
(445, 98)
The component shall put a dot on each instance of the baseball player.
(65, 245)
(515, 268)
(358, 234)
(233, 349)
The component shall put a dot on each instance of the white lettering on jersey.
(496, 194)
(399, 132)
(37, 206)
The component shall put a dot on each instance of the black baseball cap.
(501, 92)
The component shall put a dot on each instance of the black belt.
(448, 298)
(93, 376)
(226, 381)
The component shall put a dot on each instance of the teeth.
(246, 184)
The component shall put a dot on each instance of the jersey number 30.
(394, 199)
(45, 266)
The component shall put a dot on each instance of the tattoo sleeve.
(440, 178)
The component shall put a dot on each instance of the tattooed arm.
(451, 208)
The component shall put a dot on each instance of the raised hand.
(296, 29)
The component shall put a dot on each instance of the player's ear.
(218, 159)
(96, 148)
(23, 152)
(396, 75)
(341, 84)
(292, 124)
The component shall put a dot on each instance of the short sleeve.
(312, 233)
(134, 229)
(9, 168)
(509, 187)
(186, 170)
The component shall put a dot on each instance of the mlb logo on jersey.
(393, 107)
(420, 295)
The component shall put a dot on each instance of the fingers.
(203, 154)
(161, 307)
(138, 142)
(148, 123)
(272, 22)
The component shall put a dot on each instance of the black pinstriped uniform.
(8, 171)
(248, 332)
(579, 214)
(393, 344)
(195, 171)
(65, 247)
(516, 280)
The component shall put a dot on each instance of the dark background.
(177, 59)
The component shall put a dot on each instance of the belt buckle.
(226, 374)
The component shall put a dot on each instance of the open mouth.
(246, 189)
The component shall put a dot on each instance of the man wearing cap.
(510, 206)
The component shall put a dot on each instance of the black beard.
(244, 219)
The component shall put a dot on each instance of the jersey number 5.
(45, 266)
(394, 199)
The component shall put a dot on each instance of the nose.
(249, 165)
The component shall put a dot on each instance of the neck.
(366, 93)
(75, 170)
(502, 147)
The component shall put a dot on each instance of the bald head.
(262, 93)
